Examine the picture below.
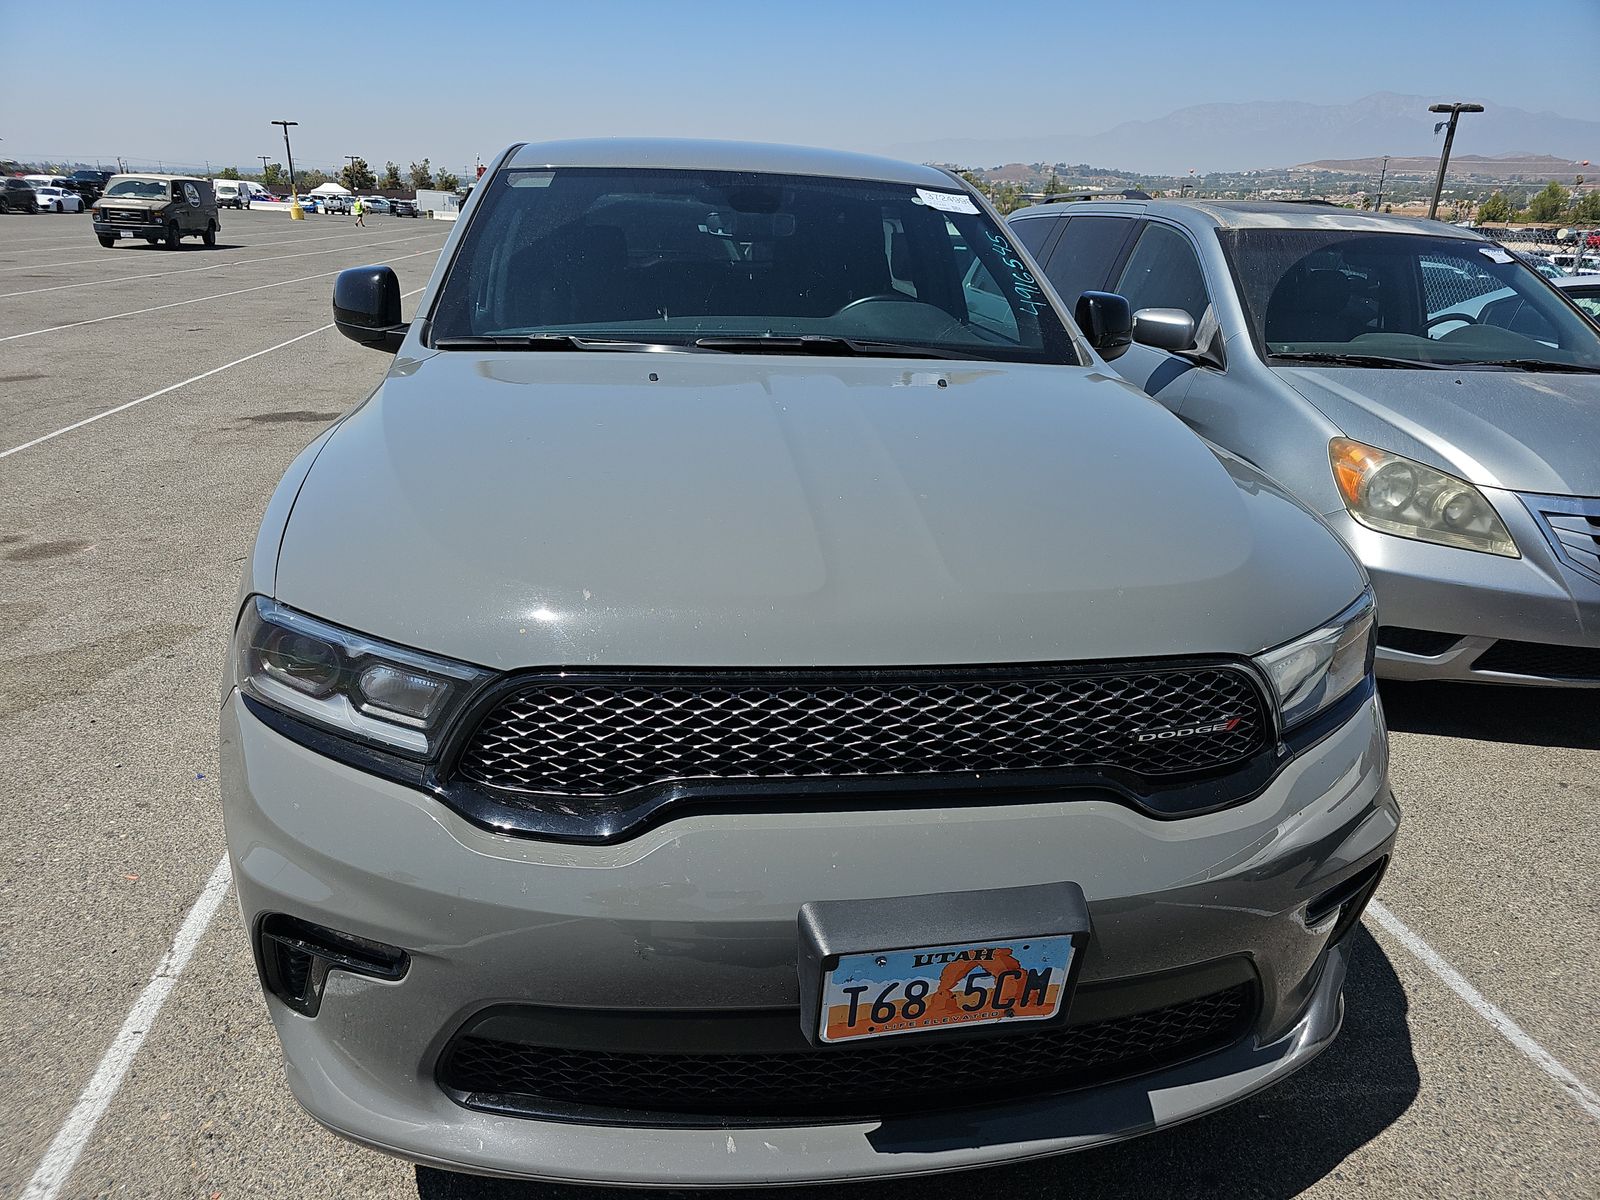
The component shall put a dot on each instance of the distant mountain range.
(1263, 135)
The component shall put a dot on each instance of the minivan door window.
(1163, 272)
(1084, 255)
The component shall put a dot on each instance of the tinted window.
(1163, 272)
(675, 256)
(1084, 254)
(1034, 232)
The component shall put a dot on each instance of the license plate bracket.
(959, 944)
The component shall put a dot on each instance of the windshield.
(141, 189)
(686, 257)
(1312, 293)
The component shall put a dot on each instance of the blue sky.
(457, 80)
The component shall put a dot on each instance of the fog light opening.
(297, 955)
(1344, 903)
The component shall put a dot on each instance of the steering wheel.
(897, 297)
(1444, 317)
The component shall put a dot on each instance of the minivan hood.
(1524, 431)
(522, 509)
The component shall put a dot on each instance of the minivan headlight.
(398, 699)
(1314, 671)
(1397, 495)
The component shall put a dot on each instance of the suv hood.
(1519, 430)
(525, 509)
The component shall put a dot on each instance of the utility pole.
(296, 213)
(352, 160)
(1382, 175)
(263, 158)
(1455, 110)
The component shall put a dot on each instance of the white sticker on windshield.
(1494, 254)
(947, 201)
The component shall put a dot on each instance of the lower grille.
(837, 1084)
(1541, 659)
(1425, 642)
(603, 735)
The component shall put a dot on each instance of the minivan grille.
(875, 1078)
(1573, 524)
(603, 735)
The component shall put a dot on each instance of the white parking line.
(238, 262)
(67, 1146)
(110, 412)
(101, 258)
(1502, 1024)
(260, 287)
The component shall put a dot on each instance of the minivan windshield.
(737, 262)
(140, 189)
(1399, 299)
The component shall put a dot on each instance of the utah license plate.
(891, 992)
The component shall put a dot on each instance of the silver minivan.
(741, 704)
(1430, 394)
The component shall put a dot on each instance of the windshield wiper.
(1365, 360)
(823, 343)
(1533, 364)
(547, 341)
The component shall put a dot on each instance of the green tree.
(228, 173)
(357, 176)
(421, 175)
(1496, 209)
(391, 178)
(310, 178)
(446, 182)
(1549, 204)
(274, 177)
(1588, 209)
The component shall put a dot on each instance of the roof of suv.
(1261, 214)
(699, 154)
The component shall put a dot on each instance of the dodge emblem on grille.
(1183, 731)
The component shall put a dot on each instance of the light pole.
(1455, 110)
(296, 213)
(1382, 175)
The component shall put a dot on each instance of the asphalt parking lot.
(149, 401)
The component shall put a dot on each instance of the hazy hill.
(1269, 134)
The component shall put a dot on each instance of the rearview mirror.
(1106, 321)
(366, 307)
(1169, 329)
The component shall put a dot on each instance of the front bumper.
(699, 914)
(1532, 620)
(121, 228)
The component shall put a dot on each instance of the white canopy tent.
(329, 189)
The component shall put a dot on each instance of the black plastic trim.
(287, 946)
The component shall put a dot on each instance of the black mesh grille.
(1537, 658)
(603, 736)
(869, 1079)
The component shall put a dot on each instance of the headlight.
(1316, 670)
(1396, 495)
(354, 685)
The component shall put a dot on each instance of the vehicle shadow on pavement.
(1531, 716)
(1273, 1145)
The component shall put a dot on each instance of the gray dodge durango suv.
(752, 698)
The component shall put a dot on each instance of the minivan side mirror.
(1106, 321)
(1169, 329)
(366, 307)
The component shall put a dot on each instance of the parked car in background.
(336, 204)
(378, 204)
(879, 599)
(157, 208)
(403, 208)
(1584, 291)
(1421, 387)
(91, 184)
(54, 199)
(1569, 263)
(17, 195)
(231, 193)
(1542, 265)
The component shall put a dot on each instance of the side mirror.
(1106, 321)
(1169, 329)
(366, 307)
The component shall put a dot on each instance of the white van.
(232, 193)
